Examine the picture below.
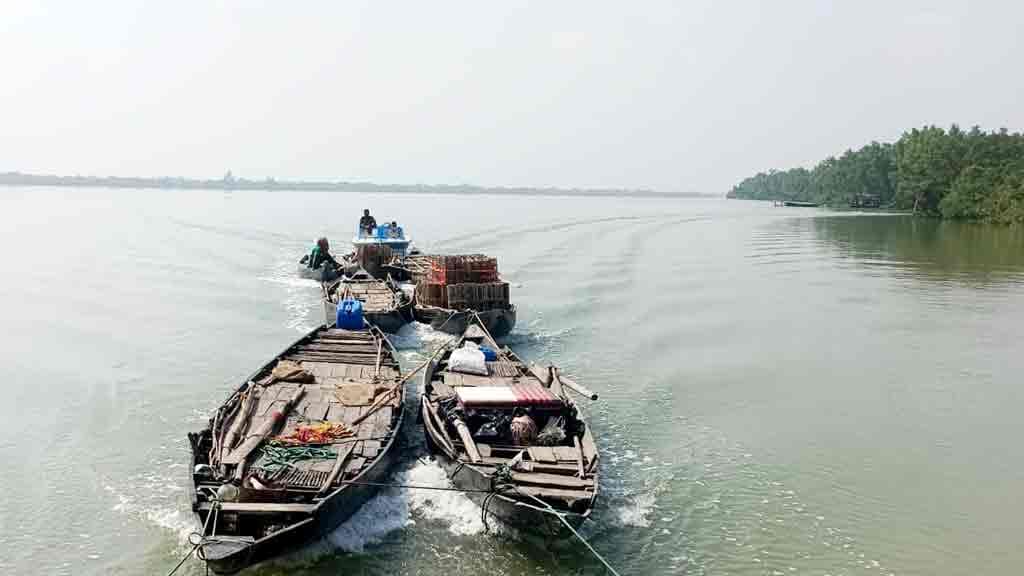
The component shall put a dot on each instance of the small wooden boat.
(320, 274)
(499, 322)
(800, 204)
(470, 423)
(384, 304)
(286, 458)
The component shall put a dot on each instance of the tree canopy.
(973, 175)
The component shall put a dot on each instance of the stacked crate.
(373, 257)
(463, 282)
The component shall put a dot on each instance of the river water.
(783, 391)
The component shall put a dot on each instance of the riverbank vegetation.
(970, 175)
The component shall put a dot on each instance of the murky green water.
(783, 391)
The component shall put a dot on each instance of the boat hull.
(498, 322)
(226, 554)
(509, 512)
(320, 274)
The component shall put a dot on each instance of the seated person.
(394, 231)
(367, 223)
(321, 255)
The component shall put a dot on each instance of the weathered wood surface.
(354, 466)
(542, 454)
(467, 440)
(560, 493)
(238, 455)
(259, 507)
(559, 480)
(343, 452)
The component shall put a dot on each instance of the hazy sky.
(684, 95)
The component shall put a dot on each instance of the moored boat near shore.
(287, 457)
(510, 435)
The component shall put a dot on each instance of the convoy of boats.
(301, 444)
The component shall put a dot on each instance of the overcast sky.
(677, 96)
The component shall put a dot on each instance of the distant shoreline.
(230, 183)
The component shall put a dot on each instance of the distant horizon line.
(230, 182)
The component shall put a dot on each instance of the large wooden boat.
(384, 304)
(469, 422)
(800, 204)
(288, 456)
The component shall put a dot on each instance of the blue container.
(350, 315)
(489, 354)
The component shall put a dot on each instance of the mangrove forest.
(969, 175)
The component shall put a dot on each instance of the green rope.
(276, 457)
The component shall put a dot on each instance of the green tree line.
(971, 175)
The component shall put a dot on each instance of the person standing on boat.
(367, 223)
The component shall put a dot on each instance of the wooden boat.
(466, 419)
(498, 322)
(251, 506)
(800, 204)
(320, 274)
(384, 304)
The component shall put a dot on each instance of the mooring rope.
(202, 538)
(492, 493)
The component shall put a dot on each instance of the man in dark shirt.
(367, 223)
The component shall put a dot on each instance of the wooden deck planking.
(542, 454)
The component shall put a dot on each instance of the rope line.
(496, 491)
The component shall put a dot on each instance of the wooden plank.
(342, 453)
(542, 479)
(362, 350)
(542, 454)
(336, 412)
(318, 369)
(366, 426)
(559, 493)
(564, 469)
(316, 410)
(441, 390)
(354, 466)
(276, 406)
(351, 413)
(329, 357)
(313, 395)
(260, 507)
(370, 449)
(386, 414)
(320, 357)
(267, 398)
(565, 453)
